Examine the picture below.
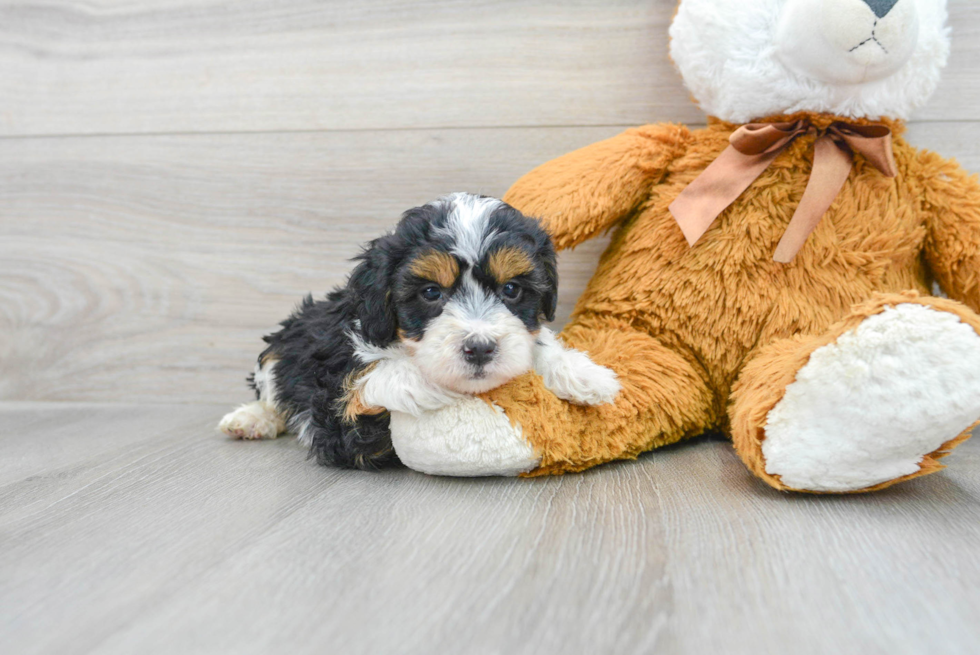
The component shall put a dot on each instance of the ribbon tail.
(879, 153)
(831, 166)
(717, 187)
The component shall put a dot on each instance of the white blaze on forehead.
(468, 224)
(472, 302)
(476, 311)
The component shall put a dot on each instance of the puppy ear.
(370, 285)
(549, 262)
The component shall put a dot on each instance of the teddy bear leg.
(523, 428)
(876, 400)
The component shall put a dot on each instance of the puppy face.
(467, 281)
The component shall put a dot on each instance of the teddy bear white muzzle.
(847, 41)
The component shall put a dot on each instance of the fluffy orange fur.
(685, 327)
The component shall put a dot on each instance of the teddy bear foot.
(877, 405)
(469, 438)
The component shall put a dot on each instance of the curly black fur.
(313, 354)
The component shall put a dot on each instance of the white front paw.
(588, 384)
(397, 385)
(571, 375)
(468, 438)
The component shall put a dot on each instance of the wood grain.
(137, 529)
(163, 66)
(174, 176)
(148, 268)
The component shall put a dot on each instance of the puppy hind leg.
(364, 443)
(259, 419)
(255, 420)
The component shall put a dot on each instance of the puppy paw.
(257, 420)
(584, 383)
(398, 385)
(571, 375)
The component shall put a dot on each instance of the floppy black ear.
(370, 284)
(549, 262)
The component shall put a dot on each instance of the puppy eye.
(511, 291)
(431, 294)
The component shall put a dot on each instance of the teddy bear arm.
(952, 205)
(583, 193)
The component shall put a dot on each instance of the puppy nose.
(479, 351)
(881, 7)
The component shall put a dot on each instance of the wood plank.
(960, 141)
(157, 66)
(147, 268)
(308, 65)
(167, 538)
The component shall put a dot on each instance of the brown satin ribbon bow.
(755, 146)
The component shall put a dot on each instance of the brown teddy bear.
(770, 274)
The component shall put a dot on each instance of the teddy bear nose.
(881, 7)
(478, 351)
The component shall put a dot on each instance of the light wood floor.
(175, 175)
(137, 529)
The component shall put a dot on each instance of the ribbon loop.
(873, 142)
(762, 138)
(753, 148)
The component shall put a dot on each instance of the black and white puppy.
(448, 304)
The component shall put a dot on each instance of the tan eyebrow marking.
(509, 262)
(437, 266)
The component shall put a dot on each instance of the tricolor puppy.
(448, 304)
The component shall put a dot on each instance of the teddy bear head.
(748, 59)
